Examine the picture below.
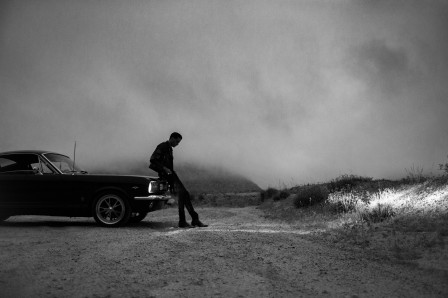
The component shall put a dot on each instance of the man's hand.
(168, 171)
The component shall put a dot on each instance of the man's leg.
(185, 202)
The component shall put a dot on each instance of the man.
(161, 161)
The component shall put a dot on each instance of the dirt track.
(240, 254)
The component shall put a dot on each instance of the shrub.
(310, 195)
(377, 214)
(415, 175)
(444, 167)
(281, 195)
(347, 182)
(268, 193)
(342, 202)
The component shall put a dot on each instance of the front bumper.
(153, 198)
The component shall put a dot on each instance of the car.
(37, 182)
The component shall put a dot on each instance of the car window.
(42, 167)
(62, 162)
(62, 166)
(6, 164)
(17, 162)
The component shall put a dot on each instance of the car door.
(68, 196)
(22, 186)
(57, 192)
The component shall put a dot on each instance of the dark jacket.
(162, 157)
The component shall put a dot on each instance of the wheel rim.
(110, 209)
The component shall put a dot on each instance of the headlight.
(156, 186)
(153, 187)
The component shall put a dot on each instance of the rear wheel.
(3, 217)
(111, 210)
(137, 216)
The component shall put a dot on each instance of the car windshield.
(63, 163)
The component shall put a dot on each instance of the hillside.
(198, 179)
(214, 180)
(392, 220)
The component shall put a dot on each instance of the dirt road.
(240, 254)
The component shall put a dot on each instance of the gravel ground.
(241, 254)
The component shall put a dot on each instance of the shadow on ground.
(42, 221)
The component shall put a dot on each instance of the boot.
(198, 223)
(185, 225)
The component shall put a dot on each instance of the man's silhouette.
(161, 161)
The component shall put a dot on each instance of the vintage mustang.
(48, 183)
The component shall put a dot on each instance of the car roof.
(29, 152)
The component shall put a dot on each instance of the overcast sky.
(284, 92)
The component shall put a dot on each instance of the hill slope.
(198, 179)
(404, 221)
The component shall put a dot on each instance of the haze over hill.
(198, 179)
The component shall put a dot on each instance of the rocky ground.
(241, 254)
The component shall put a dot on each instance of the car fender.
(106, 189)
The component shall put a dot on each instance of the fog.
(282, 92)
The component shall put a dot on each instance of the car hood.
(114, 178)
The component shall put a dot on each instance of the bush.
(342, 202)
(347, 182)
(281, 195)
(415, 175)
(444, 167)
(310, 195)
(377, 214)
(268, 193)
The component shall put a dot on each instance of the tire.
(137, 217)
(3, 217)
(111, 210)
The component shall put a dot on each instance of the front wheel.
(111, 210)
(3, 217)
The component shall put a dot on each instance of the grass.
(235, 200)
(377, 213)
(401, 220)
(347, 182)
(311, 195)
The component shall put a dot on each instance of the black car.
(48, 183)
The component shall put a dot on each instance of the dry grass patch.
(401, 220)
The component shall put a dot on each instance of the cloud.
(384, 67)
(297, 91)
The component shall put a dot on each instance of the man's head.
(175, 139)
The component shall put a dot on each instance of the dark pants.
(183, 195)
